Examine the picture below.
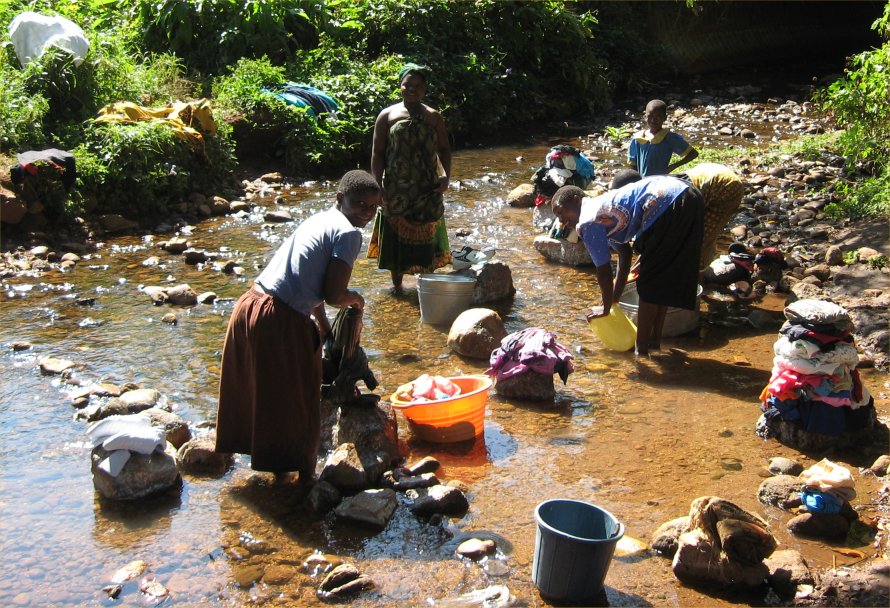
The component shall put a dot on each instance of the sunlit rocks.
(476, 548)
(176, 429)
(175, 245)
(476, 332)
(344, 470)
(343, 581)
(278, 216)
(373, 507)
(112, 222)
(182, 295)
(562, 251)
(787, 570)
(779, 465)
(169, 319)
(494, 282)
(443, 499)
(821, 525)
(130, 571)
(427, 464)
(781, 491)
(199, 455)
(667, 535)
(51, 366)
(522, 196)
(142, 475)
(880, 465)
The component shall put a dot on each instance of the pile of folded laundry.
(815, 384)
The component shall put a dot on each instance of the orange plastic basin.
(447, 420)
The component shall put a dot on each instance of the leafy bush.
(213, 34)
(144, 170)
(21, 113)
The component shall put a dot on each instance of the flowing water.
(642, 441)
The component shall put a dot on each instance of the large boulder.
(373, 507)
(522, 196)
(476, 332)
(142, 475)
(372, 428)
(494, 281)
(562, 251)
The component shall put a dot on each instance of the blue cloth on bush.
(821, 502)
(304, 96)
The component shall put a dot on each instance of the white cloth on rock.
(120, 435)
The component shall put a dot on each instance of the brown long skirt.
(270, 385)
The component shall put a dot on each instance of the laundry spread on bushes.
(531, 350)
(315, 100)
(190, 120)
(427, 388)
(814, 380)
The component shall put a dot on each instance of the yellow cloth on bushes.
(189, 120)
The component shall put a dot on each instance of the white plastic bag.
(32, 33)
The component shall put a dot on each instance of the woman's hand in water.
(596, 312)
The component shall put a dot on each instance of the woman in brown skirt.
(270, 380)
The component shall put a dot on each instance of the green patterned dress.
(409, 235)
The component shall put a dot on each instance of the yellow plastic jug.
(615, 330)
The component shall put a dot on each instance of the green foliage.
(850, 257)
(144, 170)
(877, 262)
(866, 198)
(212, 34)
(618, 134)
(21, 113)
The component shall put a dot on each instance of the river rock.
(175, 428)
(529, 386)
(880, 465)
(12, 209)
(373, 430)
(494, 281)
(323, 497)
(410, 482)
(791, 434)
(476, 332)
(443, 499)
(182, 295)
(820, 271)
(342, 582)
(562, 251)
(246, 575)
(476, 548)
(849, 586)
(193, 256)
(373, 507)
(207, 297)
(781, 491)
(219, 206)
(779, 465)
(198, 455)
(787, 570)
(427, 464)
(142, 475)
(834, 256)
(278, 216)
(51, 366)
(175, 245)
(522, 196)
(665, 538)
(803, 290)
(863, 254)
(819, 525)
(113, 222)
(344, 470)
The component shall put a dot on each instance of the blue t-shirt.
(620, 215)
(297, 271)
(651, 154)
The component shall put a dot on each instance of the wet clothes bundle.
(828, 486)
(530, 350)
(814, 381)
(60, 162)
(315, 100)
(563, 166)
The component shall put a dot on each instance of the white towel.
(143, 441)
(114, 425)
(114, 462)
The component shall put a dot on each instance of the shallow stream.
(642, 441)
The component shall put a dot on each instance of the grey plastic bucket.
(444, 296)
(574, 545)
(677, 321)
